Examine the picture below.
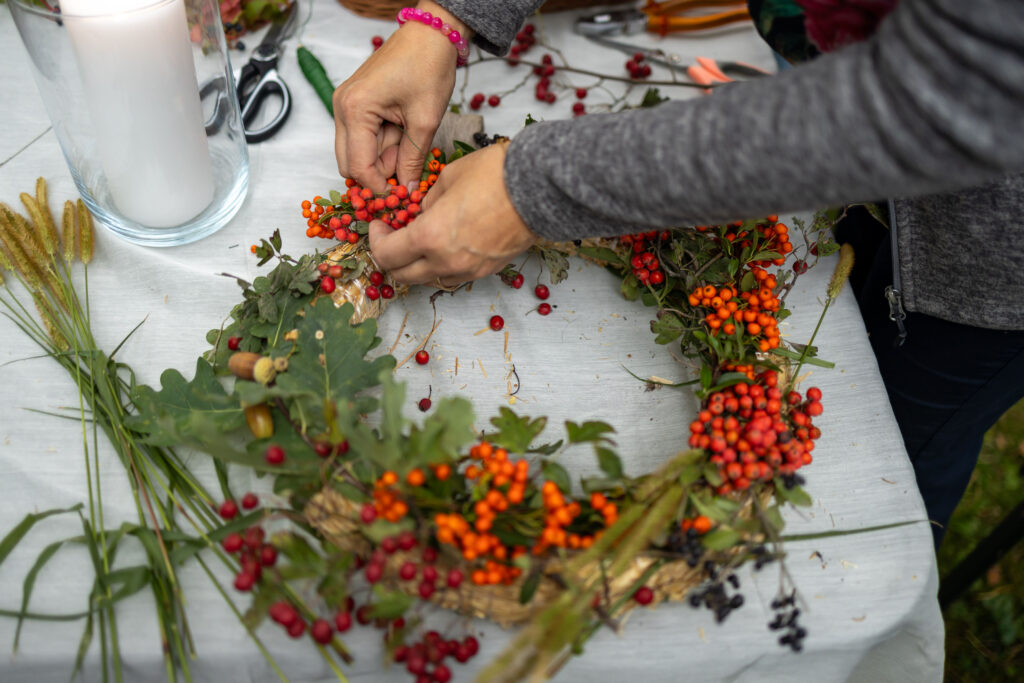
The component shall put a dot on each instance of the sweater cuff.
(495, 24)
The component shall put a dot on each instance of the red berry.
(283, 613)
(494, 100)
(321, 631)
(368, 513)
(472, 644)
(244, 581)
(644, 595)
(254, 536)
(232, 543)
(343, 621)
(578, 108)
(268, 555)
(800, 267)
(297, 628)
(387, 291)
(327, 284)
(442, 674)
(814, 394)
(430, 573)
(274, 455)
(814, 408)
(429, 555)
(544, 308)
(322, 448)
(377, 42)
(406, 540)
(517, 281)
(374, 572)
(425, 404)
(407, 572)
(581, 93)
(657, 277)
(335, 271)
(389, 545)
(422, 357)
(233, 343)
(249, 501)
(462, 654)
(455, 578)
(497, 322)
(372, 293)
(416, 664)
(376, 278)
(426, 589)
(228, 509)
(550, 97)
(542, 291)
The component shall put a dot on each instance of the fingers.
(393, 249)
(358, 140)
(415, 144)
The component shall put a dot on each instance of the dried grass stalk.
(842, 272)
(43, 201)
(85, 233)
(46, 314)
(67, 225)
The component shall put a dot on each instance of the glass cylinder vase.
(143, 104)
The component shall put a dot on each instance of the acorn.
(242, 363)
(263, 371)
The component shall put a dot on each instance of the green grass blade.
(24, 526)
(29, 584)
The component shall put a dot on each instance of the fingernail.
(413, 186)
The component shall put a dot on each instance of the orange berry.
(597, 500)
(702, 524)
(389, 478)
(415, 477)
(442, 472)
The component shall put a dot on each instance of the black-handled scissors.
(257, 80)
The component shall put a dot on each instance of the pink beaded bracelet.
(428, 19)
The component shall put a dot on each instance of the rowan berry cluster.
(345, 217)
(644, 261)
(754, 433)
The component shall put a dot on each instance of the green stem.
(807, 348)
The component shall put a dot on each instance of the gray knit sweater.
(930, 109)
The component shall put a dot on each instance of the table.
(872, 612)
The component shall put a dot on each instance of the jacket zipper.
(893, 294)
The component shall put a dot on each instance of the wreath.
(490, 524)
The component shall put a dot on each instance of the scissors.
(706, 71)
(256, 81)
(664, 17)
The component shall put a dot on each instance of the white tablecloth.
(871, 610)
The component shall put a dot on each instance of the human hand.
(468, 228)
(404, 85)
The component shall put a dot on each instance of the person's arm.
(934, 101)
(494, 23)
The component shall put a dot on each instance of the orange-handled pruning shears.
(669, 17)
(662, 18)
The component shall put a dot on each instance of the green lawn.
(985, 627)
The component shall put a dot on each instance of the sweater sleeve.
(495, 23)
(933, 102)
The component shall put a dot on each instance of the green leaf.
(748, 281)
(197, 413)
(530, 586)
(796, 495)
(652, 98)
(29, 583)
(464, 147)
(808, 360)
(720, 539)
(705, 376)
(15, 535)
(442, 436)
(335, 197)
(329, 364)
(389, 604)
(547, 448)
(558, 474)
(609, 462)
(667, 327)
(711, 475)
(588, 431)
(602, 254)
(728, 379)
(529, 121)
(630, 288)
(515, 433)
(557, 263)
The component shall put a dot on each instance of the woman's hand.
(468, 228)
(404, 86)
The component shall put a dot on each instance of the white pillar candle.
(139, 79)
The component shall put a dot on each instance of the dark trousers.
(948, 383)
